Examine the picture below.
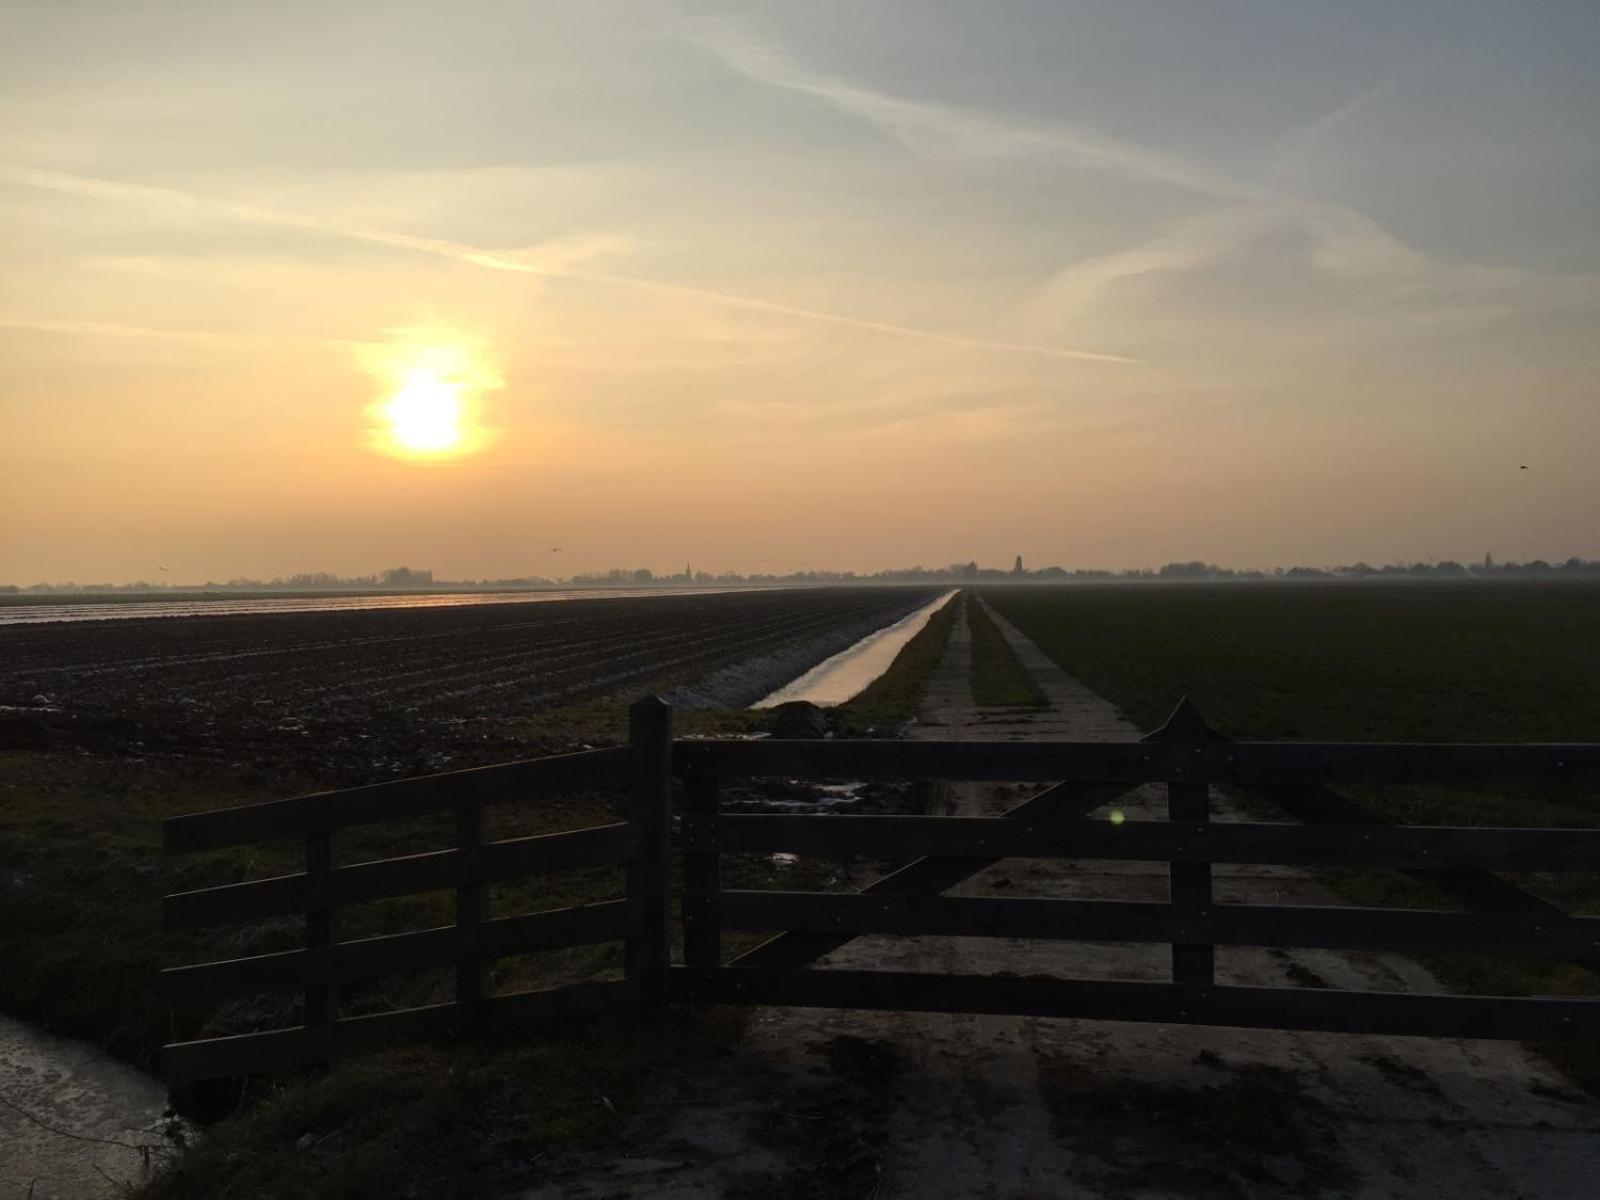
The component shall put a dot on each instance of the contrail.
(106, 189)
(811, 314)
(116, 329)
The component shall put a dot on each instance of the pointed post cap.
(1184, 725)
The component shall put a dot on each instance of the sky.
(762, 287)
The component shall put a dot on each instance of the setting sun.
(433, 382)
(424, 416)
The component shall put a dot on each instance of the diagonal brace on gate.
(1309, 802)
(1058, 805)
(930, 876)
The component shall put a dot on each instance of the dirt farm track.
(355, 696)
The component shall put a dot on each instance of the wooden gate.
(939, 852)
(1188, 760)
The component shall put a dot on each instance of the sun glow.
(425, 414)
(434, 381)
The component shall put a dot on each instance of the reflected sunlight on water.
(837, 679)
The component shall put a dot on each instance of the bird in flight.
(1523, 468)
(555, 549)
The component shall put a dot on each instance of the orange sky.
(766, 290)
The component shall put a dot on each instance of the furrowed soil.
(845, 1104)
(355, 697)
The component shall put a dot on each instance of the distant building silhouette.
(1017, 570)
(406, 577)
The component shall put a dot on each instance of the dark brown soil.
(355, 696)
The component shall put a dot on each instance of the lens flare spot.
(1117, 817)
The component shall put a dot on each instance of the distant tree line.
(401, 578)
(392, 579)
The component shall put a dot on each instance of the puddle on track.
(837, 679)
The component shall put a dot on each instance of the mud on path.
(820, 1103)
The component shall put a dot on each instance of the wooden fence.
(640, 917)
(938, 852)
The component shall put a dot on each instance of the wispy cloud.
(1347, 244)
(554, 261)
(1301, 142)
(940, 130)
(812, 314)
(1189, 243)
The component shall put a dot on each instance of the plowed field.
(348, 696)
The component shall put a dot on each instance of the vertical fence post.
(702, 872)
(650, 875)
(319, 998)
(1189, 801)
(471, 905)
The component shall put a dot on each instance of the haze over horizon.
(301, 287)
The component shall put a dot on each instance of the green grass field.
(1475, 661)
(1468, 662)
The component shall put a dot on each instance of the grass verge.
(479, 1119)
(998, 679)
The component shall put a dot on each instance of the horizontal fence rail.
(1147, 762)
(303, 1046)
(341, 962)
(1307, 926)
(257, 899)
(1543, 1019)
(1398, 847)
(397, 800)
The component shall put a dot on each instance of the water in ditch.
(845, 675)
(72, 1118)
